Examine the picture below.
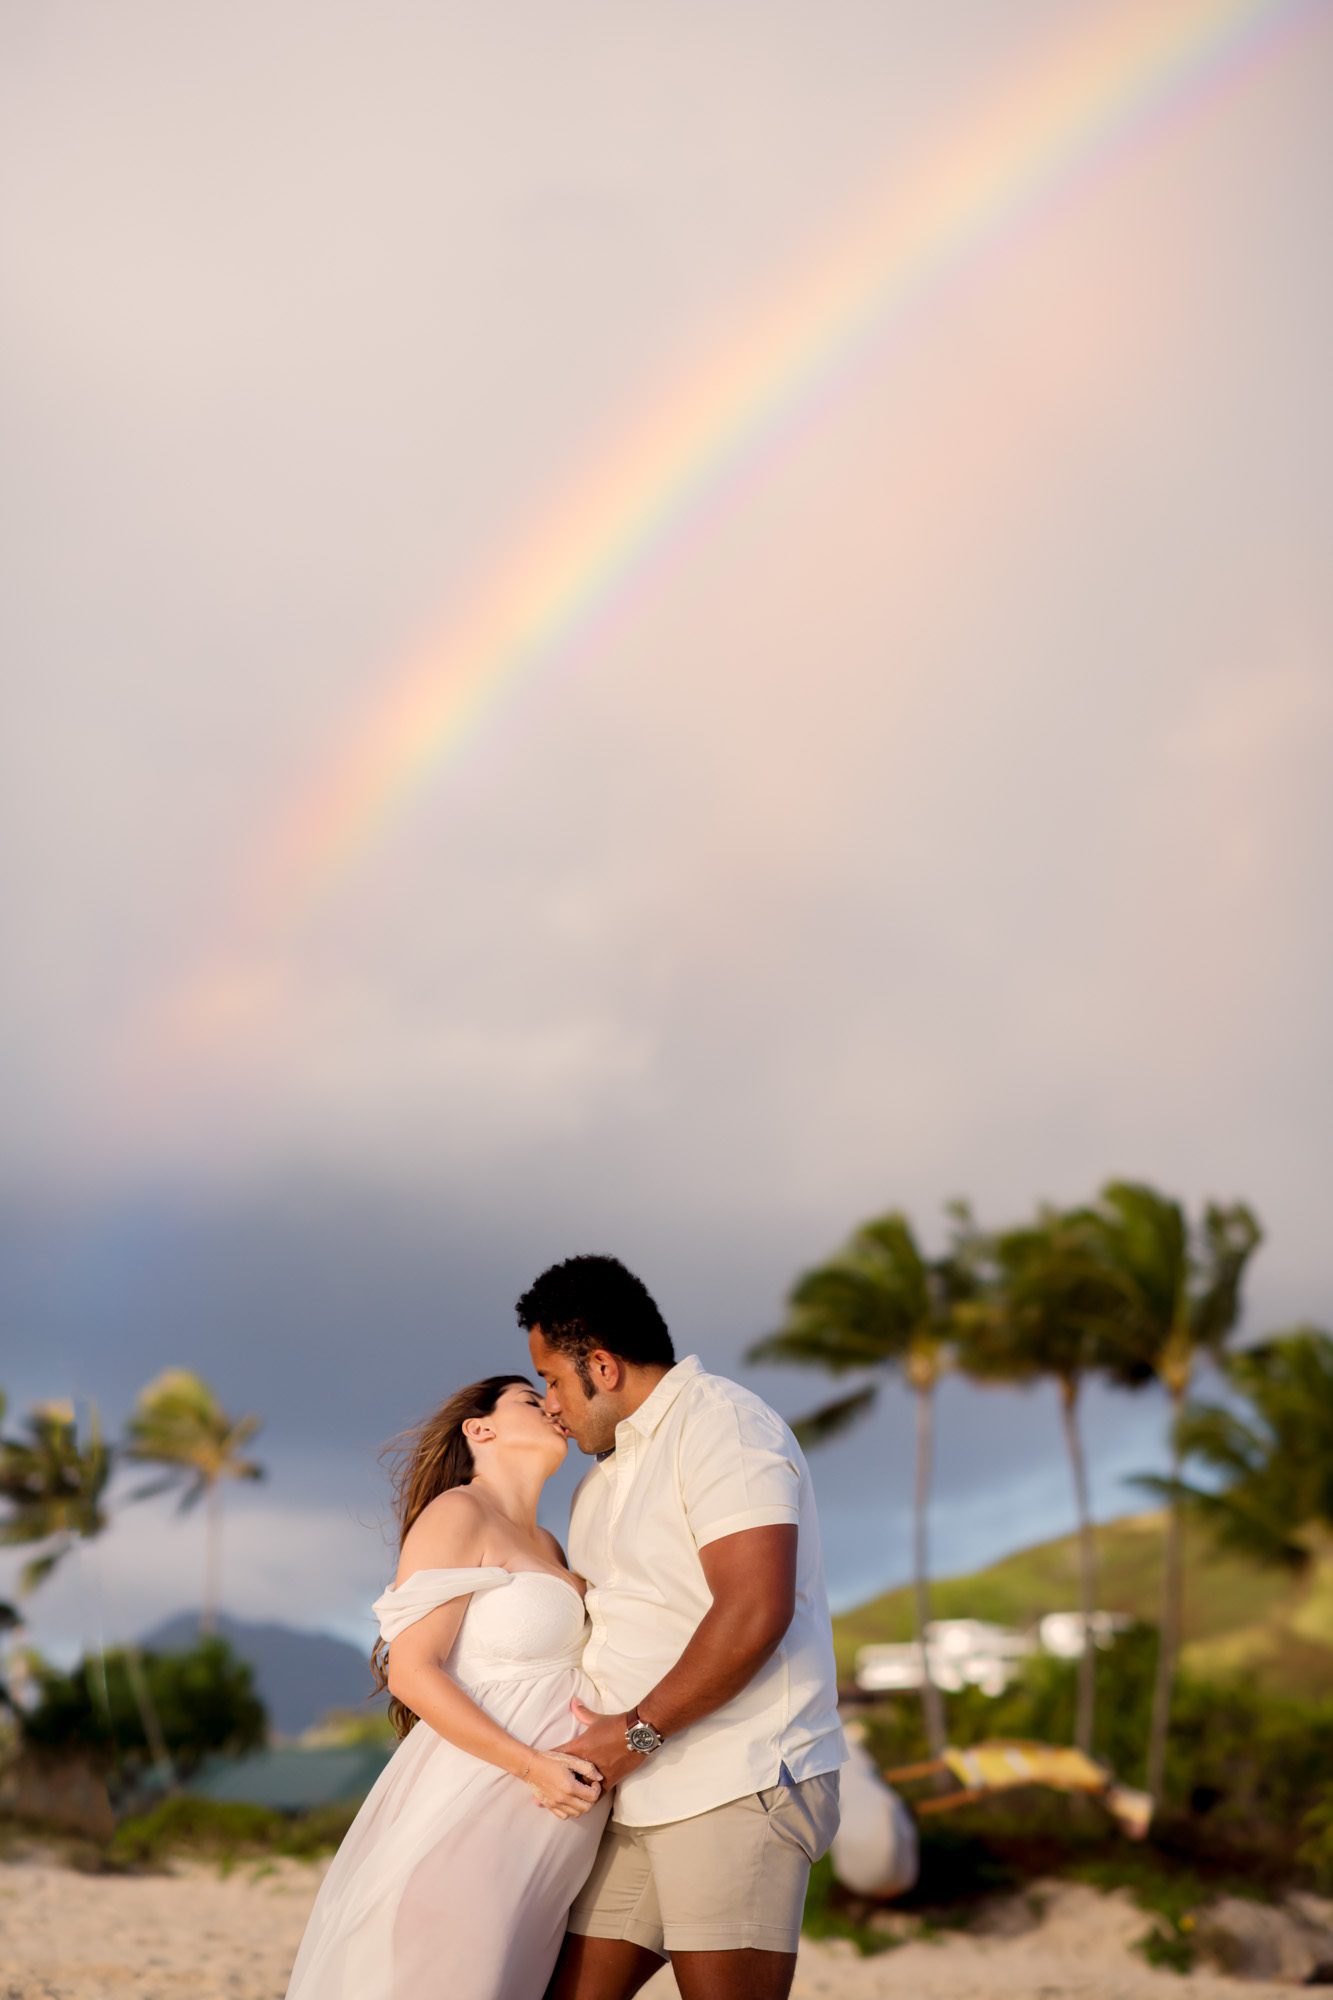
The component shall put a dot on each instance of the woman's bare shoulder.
(549, 1542)
(448, 1533)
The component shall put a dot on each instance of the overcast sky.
(949, 811)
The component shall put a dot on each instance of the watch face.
(643, 1737)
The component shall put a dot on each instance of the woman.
(450, 1879)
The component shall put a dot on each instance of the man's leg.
(592, 1968)
(733, 1975)
(731, 1888)
(614, 1941)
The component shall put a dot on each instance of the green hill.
(1240, 1620)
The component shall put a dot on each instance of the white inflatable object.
(875, 1848)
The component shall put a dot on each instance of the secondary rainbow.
(1030, 143)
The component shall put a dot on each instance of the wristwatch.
(640, 1735)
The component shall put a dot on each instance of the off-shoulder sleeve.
(426, 1590)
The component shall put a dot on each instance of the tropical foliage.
(179, 1425)
(1181, 1290)
(881, 1305)
(1051, 1311)
(1269, 1451)
(203, 1700)
(54, 1497)
(1127, 1288)
(52, 1488)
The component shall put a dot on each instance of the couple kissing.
(608, 1757)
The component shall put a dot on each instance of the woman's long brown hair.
(424, 1462)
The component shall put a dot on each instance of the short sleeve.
(738, 1469)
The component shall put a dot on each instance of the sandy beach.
(199, 1933)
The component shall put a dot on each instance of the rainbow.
(1033, 141)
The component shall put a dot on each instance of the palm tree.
(881, 1305)
(55, 1489)
(52, 1488)
(1181, 1303)
(1050, 1311)
(1274, 1459)
(178, 1423)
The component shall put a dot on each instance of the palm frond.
(834, 1418)
(1231, 1236)
(1237, 1519)
(814, 1346)
(179, 1423)
(168, 1483)
(38, 1570)
(1221, 1438)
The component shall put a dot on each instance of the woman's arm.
(454, 1539)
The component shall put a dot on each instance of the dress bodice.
(519, 1624)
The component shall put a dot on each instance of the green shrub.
(1170, 1950)
(203, 1826)
(1315, 1852)
(226, 1830)
(204, 1700)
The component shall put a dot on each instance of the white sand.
(65, 1936)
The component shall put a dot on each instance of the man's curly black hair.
(589, 1302)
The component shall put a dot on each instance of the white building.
(972, 1652)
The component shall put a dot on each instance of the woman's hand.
(566, 1786)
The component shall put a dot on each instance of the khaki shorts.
(726, 1880)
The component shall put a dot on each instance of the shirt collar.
(655, 1406)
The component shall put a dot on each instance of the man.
(710, 1647)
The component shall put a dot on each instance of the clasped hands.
(592, 1762)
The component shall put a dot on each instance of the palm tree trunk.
(94, 1651)
(931, 1705)
(149, 1720)
(1169, 1642)
(1087, 1568)
(208, 1617)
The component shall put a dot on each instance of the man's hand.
(602, 1742)
(752, 1577)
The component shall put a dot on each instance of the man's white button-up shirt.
(699, 1459)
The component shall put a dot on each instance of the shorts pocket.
(806, 1814)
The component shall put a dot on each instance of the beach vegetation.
(1315, 1852)
(52, 1487)
(1245, 1783)
(1182, 1292)
(179, 1425)
(1050, 1311)
(1267, 1450)
(881, 1306)
(204, 1702)
(228, 1831)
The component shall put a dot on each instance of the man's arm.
(752, 1577)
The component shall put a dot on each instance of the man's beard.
(596, 1434)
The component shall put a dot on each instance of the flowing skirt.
(452, 1880)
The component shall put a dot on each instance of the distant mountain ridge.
(299, 1675)
(1241, 1620)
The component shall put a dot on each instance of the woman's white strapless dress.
(451, 1878)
